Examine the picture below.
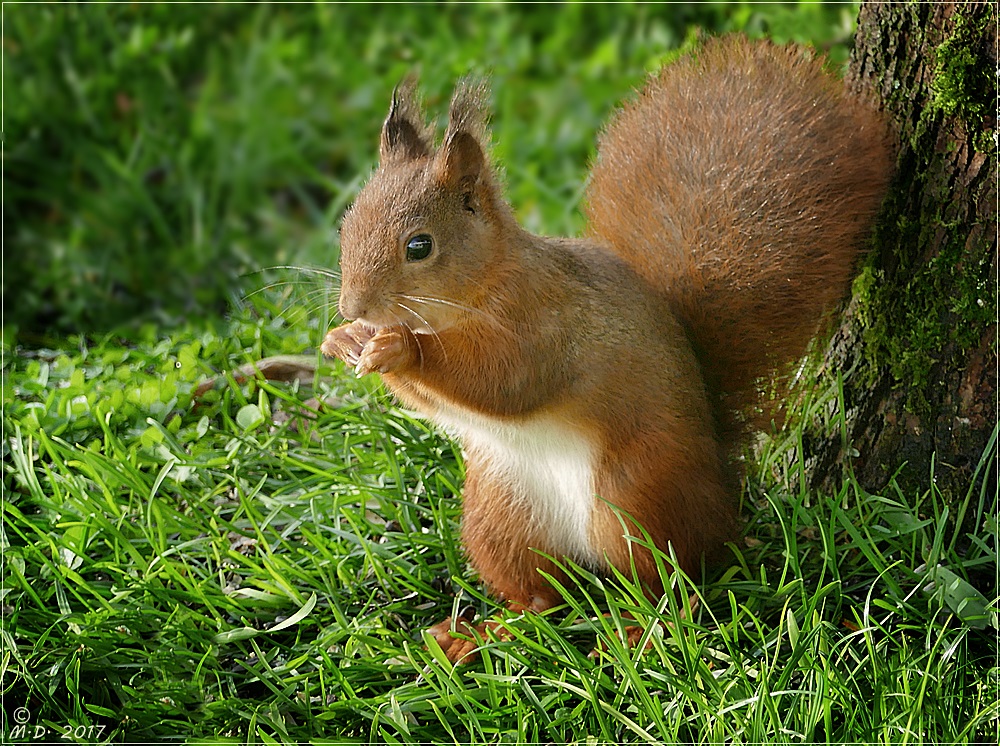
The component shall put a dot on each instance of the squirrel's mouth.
(380, 309)
(409, 321)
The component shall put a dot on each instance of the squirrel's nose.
(352, 307)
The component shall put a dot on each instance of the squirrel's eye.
(419, 247)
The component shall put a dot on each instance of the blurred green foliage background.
(158, 156)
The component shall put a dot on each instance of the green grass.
(256, 565)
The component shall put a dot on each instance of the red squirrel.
(725, 212)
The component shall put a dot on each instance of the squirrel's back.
(741, 183)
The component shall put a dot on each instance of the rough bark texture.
(918, 344)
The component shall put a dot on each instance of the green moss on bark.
(920, 310)
(943, 307)
(962, 86)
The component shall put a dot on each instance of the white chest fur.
(546, 463)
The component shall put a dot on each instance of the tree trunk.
(917, 346)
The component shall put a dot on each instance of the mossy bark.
(917, 346)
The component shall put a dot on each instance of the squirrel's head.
(424, 231)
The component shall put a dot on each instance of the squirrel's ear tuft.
(462, 157)
(405, 136)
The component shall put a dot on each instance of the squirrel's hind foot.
(460, 641)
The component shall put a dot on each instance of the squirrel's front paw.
(347, 342)
(388, 350)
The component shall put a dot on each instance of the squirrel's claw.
(386, 351)
(367, 350)
(346, 342)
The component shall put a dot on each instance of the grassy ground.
(256, 564)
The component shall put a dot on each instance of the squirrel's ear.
(462, 158)
(404, 133)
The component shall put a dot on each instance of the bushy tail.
(741, 183)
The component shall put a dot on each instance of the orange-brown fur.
(764, 175)
(726, 208)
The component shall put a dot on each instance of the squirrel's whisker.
(492, 318)
(331, 273)
(429, 326)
